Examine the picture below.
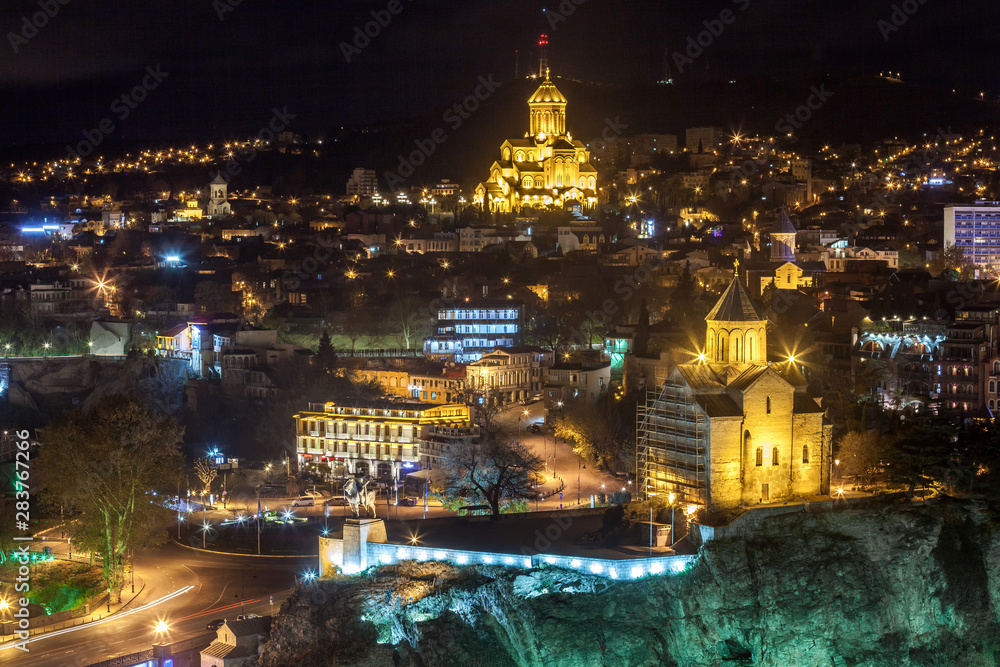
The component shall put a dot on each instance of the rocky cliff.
(913, 586)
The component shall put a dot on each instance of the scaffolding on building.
(671, 438)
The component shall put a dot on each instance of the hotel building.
(379, 439)
(976, 230)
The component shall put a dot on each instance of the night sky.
(226, 75)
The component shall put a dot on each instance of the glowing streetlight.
(162, 626)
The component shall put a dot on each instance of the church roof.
(700, 376)
(735, 305)
(547, 93)
(719, 405)
(219, 180)
(783, 225)
(748, 377)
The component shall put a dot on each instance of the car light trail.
(107, 619)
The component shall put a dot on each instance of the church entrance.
(765, 493)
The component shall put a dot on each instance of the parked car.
(408, 502)
(336, 501)
(247, 617)
(304, 501)
(216, 624)
(534, 428)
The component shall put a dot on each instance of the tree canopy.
(106, 464)
(495, 470)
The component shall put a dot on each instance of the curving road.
(218, 584)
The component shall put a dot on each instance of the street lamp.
(649, 498)
(579, 467)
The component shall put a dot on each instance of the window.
(768, 405)
(805, 453)
(774, 456)
(760, 456)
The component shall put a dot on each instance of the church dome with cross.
(737, 329)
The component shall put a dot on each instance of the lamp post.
(649, 497)
(671, 498)
(579, 467)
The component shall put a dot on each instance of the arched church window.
(996, 367)
(993, 386)
(527, 181)
(805, 453)
(774, 456)
(531, 156)
(760, 456)
(519, 156)
(768, 405)
(506, 154)
(593, 183)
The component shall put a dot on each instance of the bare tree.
(860, 454)
(207, 472)
(494, 470)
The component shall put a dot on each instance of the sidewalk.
(101, 610)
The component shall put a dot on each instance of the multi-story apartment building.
(976, 230)
(363, 183)
(468, 329)
(382, 439)
(565, 381)
(442, 242)
(408, 378)
(706, 139)
(512, 373)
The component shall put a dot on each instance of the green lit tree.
(106, 464)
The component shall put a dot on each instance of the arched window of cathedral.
(774, 456)
(760, 456)
(723, 351)
(993, 387)
(805, 453)
(750, 342)
(602, 238)
(519, 156)
(593, 183)
(531, 156)
(527, 181)
(506, 154)
(768, 405)
(996, 367)
(736, 345)
(583, 183)
(539, 183)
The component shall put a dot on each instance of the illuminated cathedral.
(545, 169)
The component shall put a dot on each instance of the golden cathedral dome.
(547, 93)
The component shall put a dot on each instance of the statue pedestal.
(357, 534)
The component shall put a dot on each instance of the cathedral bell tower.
(548, 110)
(737, 329)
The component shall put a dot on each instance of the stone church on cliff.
(734, 428)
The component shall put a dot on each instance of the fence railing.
(627, 568)
(388, 352)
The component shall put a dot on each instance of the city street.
(219, 583)
(559, 459)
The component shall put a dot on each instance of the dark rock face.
(902, 587)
